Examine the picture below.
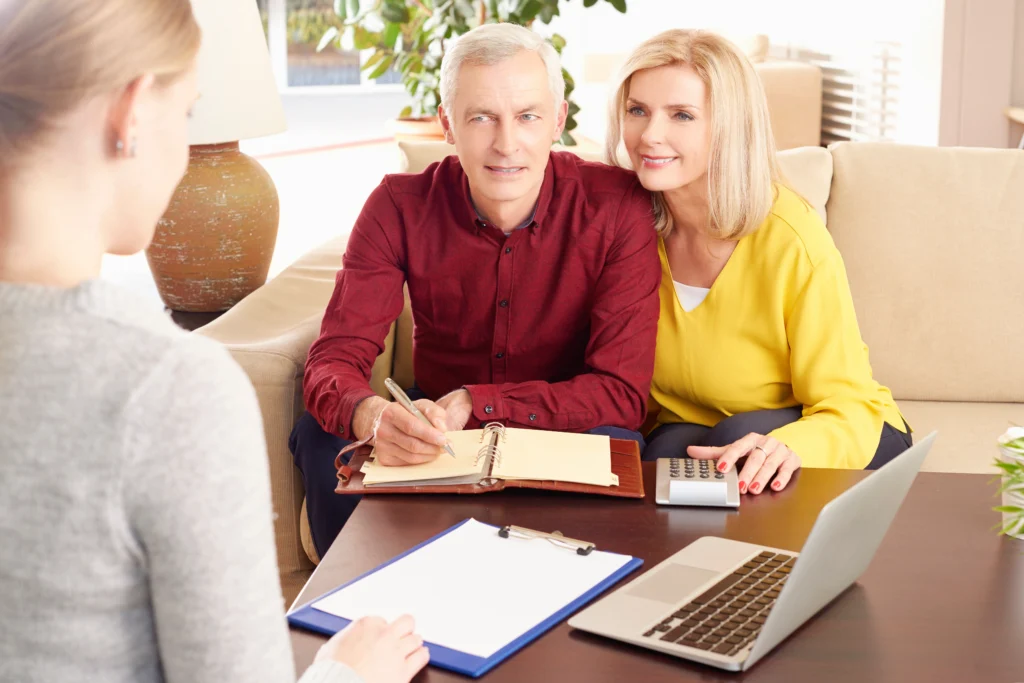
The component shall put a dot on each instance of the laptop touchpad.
(672, 583)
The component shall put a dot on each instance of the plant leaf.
(353, 7)
(340, 9)
(329, 35)
(394, 12)
(558, 42)
(1012, 509)
(589, 3)
(381, 69)
(363, 39)
(548, 12)
(619, 5)
(390, 35)
(373, 60)
(528, 10)
(407, 111)
(567, 139)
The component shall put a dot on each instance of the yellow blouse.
(776, 330)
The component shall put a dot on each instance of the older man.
(533, 278)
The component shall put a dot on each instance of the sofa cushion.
(808, 170)
(932, 239)
(967, 432)
(793, 91)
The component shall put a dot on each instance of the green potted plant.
(1011, 464)
(410, 36)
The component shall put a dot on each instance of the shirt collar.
(524, 224)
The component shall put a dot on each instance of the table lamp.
(214, 244)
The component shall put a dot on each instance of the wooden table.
(942, 601)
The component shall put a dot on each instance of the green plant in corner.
(1013, 482)
(410, 36)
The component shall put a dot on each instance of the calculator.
(685, 481)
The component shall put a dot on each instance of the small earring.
(119, 146)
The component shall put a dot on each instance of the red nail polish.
(776, 485)
(743, 487)
(722, 466)
(755, 487)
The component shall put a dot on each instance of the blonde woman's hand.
(766, 456)
(378, 651)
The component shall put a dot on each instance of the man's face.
(503, 123)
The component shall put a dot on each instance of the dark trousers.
(315, 450)
(671, 440)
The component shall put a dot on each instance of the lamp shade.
(238, 96)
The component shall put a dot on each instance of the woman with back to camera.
(759, 353)
(135, 519)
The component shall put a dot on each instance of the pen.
(400, 396)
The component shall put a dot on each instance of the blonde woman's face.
(667, 127)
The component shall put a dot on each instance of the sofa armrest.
(269, 334)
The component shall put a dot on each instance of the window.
(294, 29)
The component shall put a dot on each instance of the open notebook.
(500, 453)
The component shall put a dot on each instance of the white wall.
(845, 30)
(978, 71)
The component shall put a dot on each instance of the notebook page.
(466, 445)
(556, 456)
(472, 590)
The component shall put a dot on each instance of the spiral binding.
(491, 434)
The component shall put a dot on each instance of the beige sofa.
(933, 242)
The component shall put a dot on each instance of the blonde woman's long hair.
(57, 54)
(742, 168)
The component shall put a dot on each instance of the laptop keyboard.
(727, 617)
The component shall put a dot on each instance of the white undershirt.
(690, 297)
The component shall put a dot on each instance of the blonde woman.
(759, 355)
(135, 523)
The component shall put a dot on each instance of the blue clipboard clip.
(555, 537)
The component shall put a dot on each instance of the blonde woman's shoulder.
(794, 225)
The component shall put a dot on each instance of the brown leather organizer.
(625, 464)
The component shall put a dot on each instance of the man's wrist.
(462, 397)
(363, 416)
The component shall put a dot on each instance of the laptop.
(727, 604)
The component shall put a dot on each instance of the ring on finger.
(759, 447)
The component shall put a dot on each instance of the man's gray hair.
(493, 43)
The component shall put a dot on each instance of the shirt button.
(503, 303)
(499, 354)
(508, 250)
(533, 417)
(489, 409)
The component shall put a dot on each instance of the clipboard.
(625, 460)
(314, 615)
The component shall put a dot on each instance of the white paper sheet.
(472, 590)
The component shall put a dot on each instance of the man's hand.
(401, 438)
(459, 406)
